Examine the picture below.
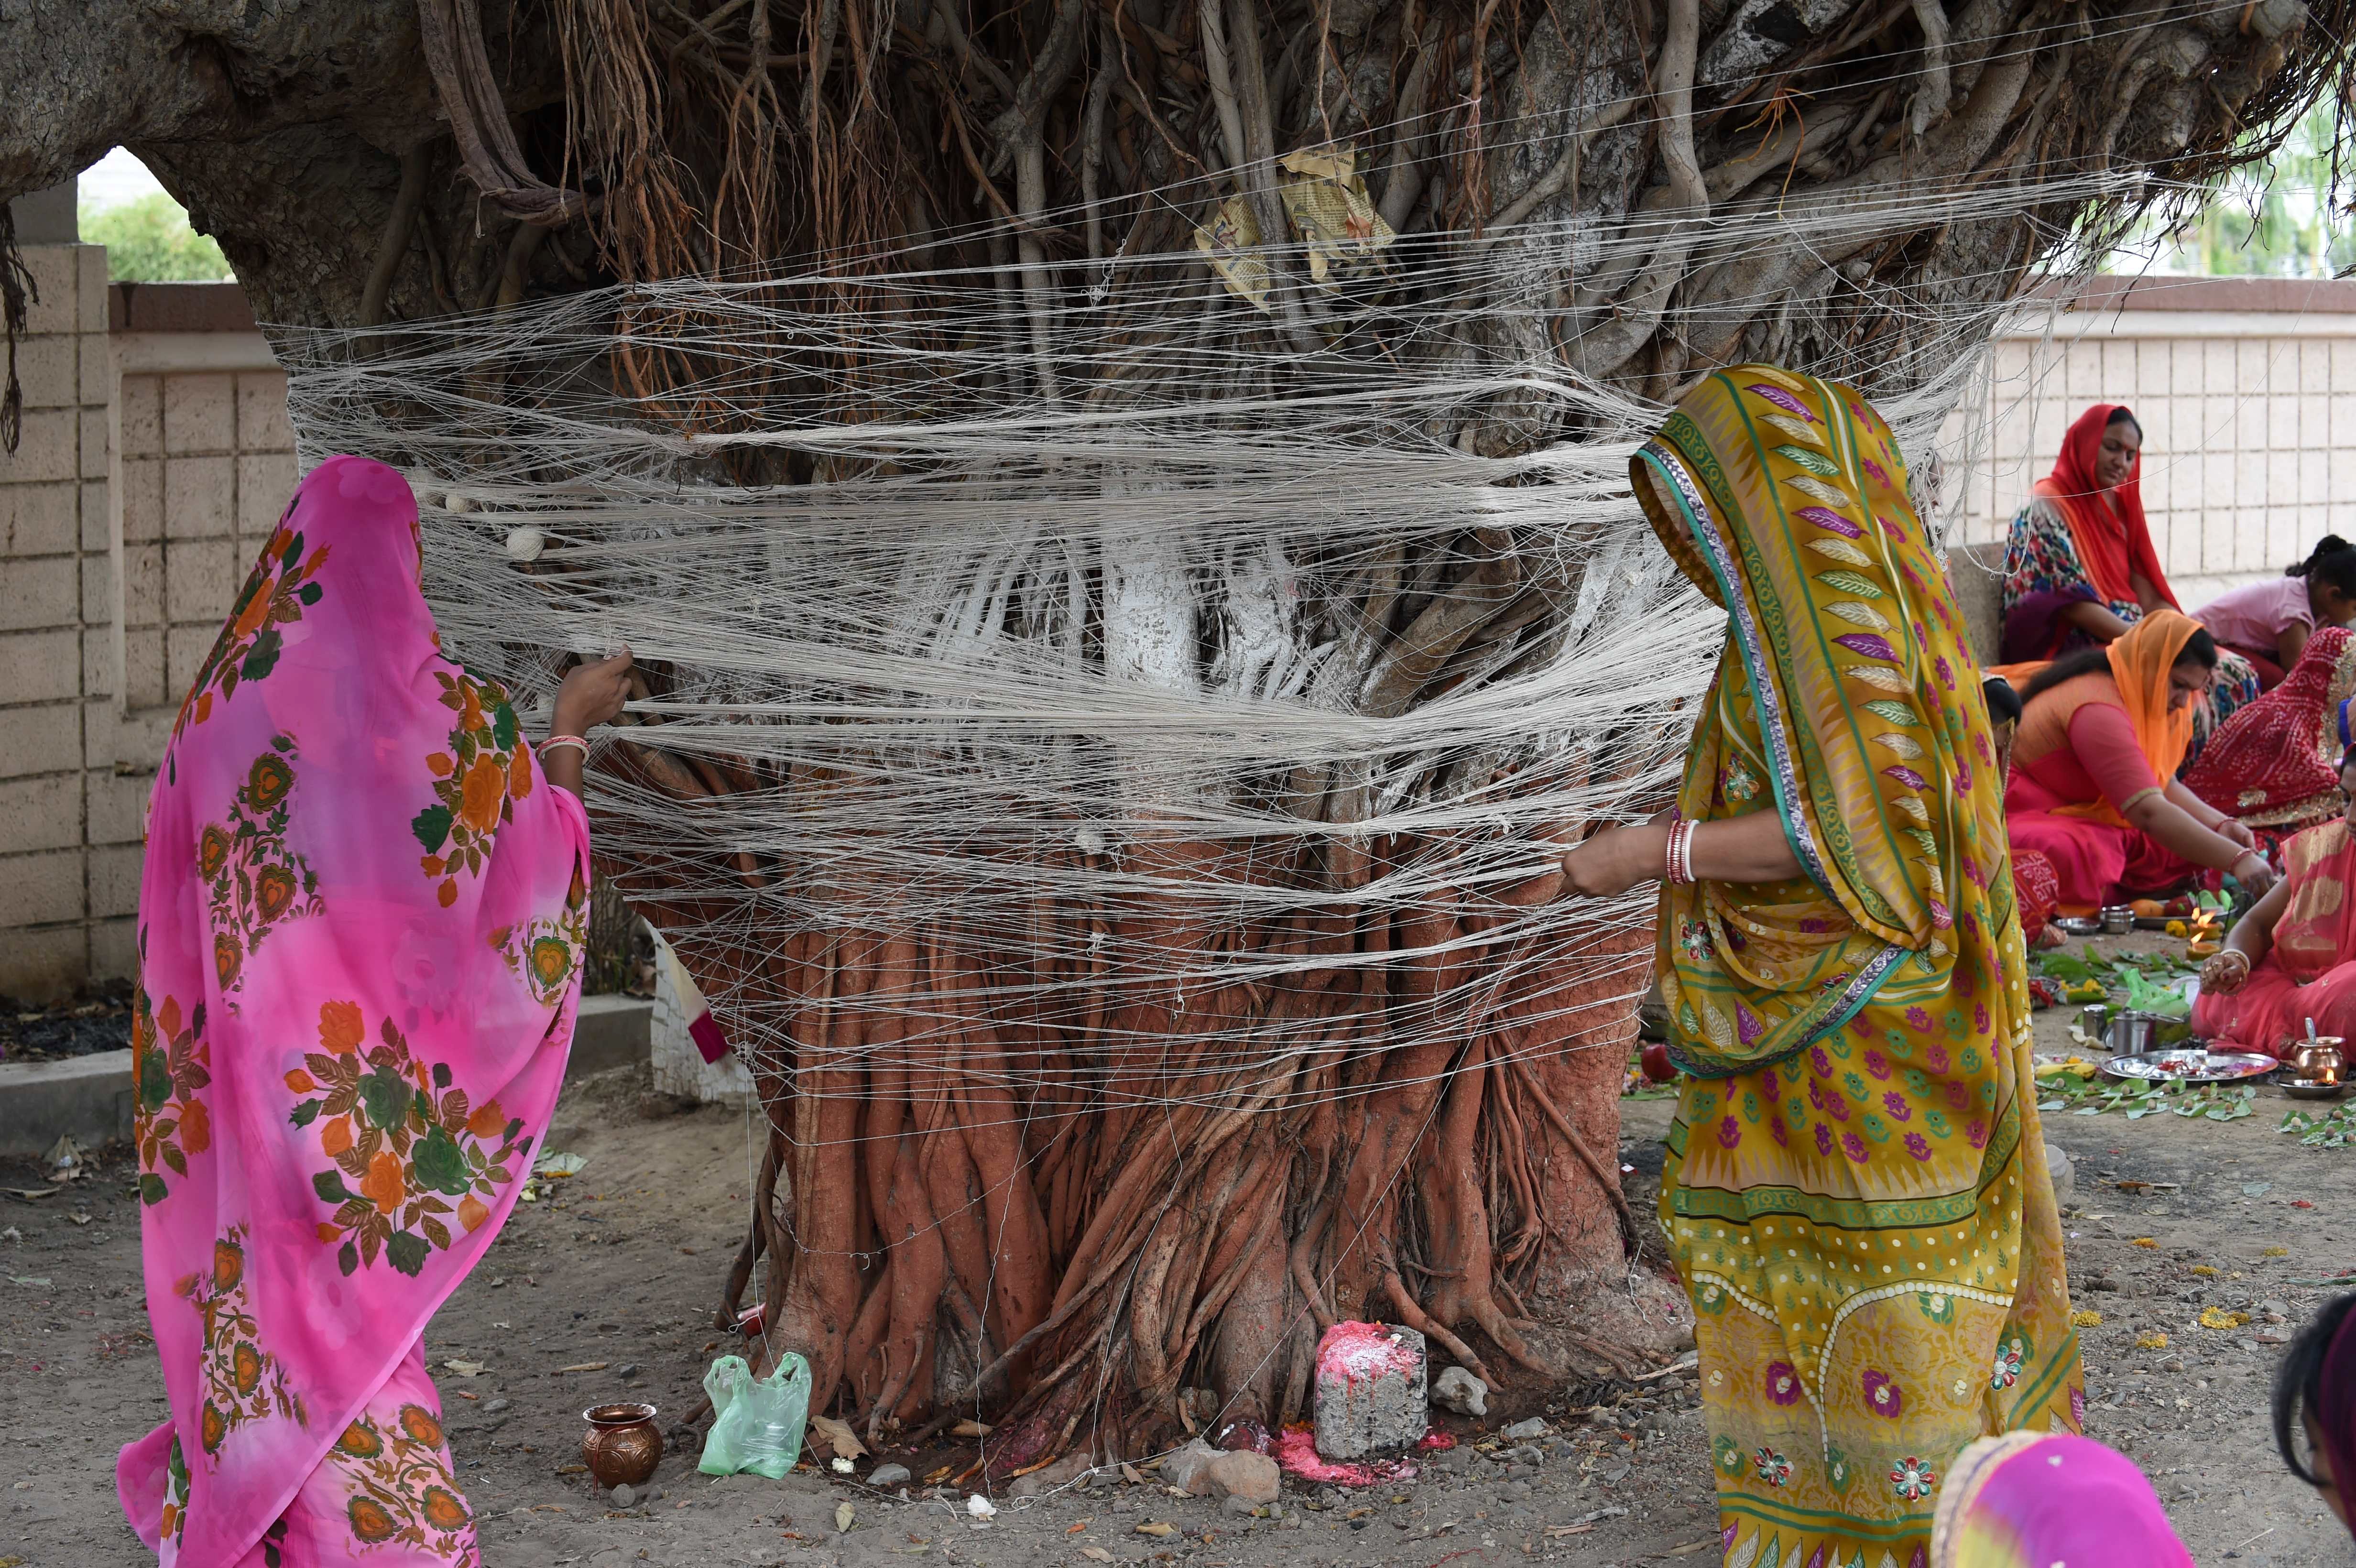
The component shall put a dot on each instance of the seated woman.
(2276, 764)
(2293, 956)
(2269, 623)
(2094, 786)
(2078, 566)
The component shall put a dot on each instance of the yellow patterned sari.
(1856, 1190)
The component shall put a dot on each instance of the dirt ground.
(619, 1270)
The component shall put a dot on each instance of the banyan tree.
(1120, 506)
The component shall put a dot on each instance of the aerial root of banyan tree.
(1056, 1180)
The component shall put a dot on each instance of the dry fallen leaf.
(1096, 1554)
(970, 1429)
(838, 1437)
(1075, 1529)
(586, 1366)
(843, 1517)
(2145, 1241)
(1129, 1473)
(464, 1369)
(1559, 1530)
(937, 1476)
(1154, 1527)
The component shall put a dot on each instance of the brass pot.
(621, 1447)
(2323, 1059)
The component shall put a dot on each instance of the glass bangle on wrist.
(1679, 867)
(574, 740)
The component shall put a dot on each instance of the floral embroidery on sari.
(244, 1383)
(545, 954)
(253, 880)
(275, 595)
(169, 1064)
(410, 1154)
(176, 1493)
(485, 767)
(402, 1491)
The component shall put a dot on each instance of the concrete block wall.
(208, 462)
(68, 856)
(155, 456)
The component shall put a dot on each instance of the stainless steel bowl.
(2095, 1019)
(2079, 925)
(2117, 919)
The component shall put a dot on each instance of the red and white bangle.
(1680, 862)
(574, 740)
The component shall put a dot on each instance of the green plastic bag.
(757, 1423)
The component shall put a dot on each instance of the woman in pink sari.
(361, 928)
(2293, 956)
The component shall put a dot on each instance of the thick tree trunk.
(1059, 1157)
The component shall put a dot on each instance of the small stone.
(2064, 1172)
(1254, 1478)
(493, 1406)
(2274, 1311)
(1618, 1472)
(1187, 1468)
(1458, 1390)
(1524, 1430)
(1236, 1506)
(889, 1475)
(1601, 1416)
(1517, 1490)
(626, 1370)
(1328, 1498)
(624, 1496)
(1360, 1523)
(2173, 1364)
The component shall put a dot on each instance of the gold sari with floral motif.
(1856, 1190)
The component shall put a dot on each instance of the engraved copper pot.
(621, 1447)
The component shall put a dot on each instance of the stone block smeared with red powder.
(1369, 1397)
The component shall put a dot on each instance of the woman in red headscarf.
(2078, 566)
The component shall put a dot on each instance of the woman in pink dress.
(2293, 956)
(2269, 623)
(360, 928)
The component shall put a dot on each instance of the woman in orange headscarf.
(2078, 566)
(2094, 786)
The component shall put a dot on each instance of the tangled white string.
(1078, 666)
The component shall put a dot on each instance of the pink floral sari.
(361, 928)
(2309, 972)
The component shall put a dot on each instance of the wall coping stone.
(179, 307)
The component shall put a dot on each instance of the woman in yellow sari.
(1856, 1190)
